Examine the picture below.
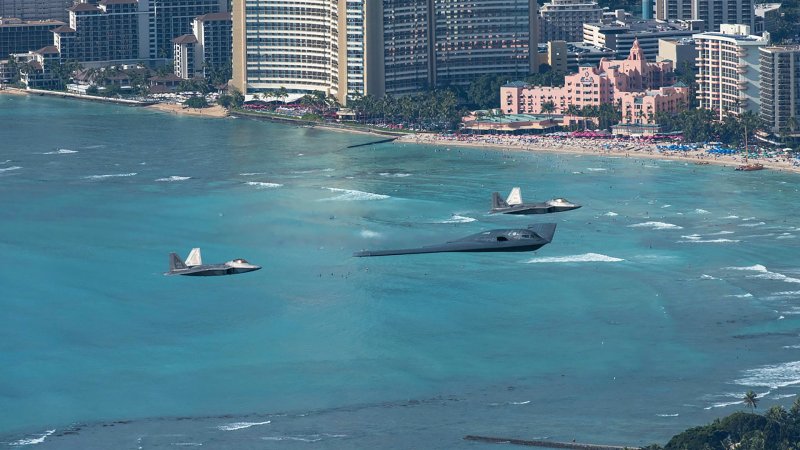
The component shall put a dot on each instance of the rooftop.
(185, 39)
(214, 16)
(83, 7)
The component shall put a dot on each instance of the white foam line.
(455, 218)
(33, 441)
(586, 257)
(174, 178)
(710, 241)
(668, 415)
(113, 175)
(252, 174)
(394, 175)
(772, 376)
(61, 151)
(8, 169)
(611, 214)
(263, 185)
(657, 226)
(241, 425)
(353, 195)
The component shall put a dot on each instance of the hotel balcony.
(741, 53)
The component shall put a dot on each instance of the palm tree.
(750, 400)
(548, 107)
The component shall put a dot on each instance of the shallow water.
(673, 291)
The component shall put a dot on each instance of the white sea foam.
(777, 276)
(710, 241)
(252, 174)
(723, 404)
(701, 211)
(786, 236)
(611, 214)
(719, 233)
(595, 169)
(113, 175)
(304, 438)
(707, 277)
(353, 195)
(394, 175)
(263, 185)
(666, 206)
(787, 293)
(369, 234)
(748, 218)
(241, 425)
(731, 217)
(657, 226)
(692, 237)
(519, 403)
(301, 172)
(755, 268)
(31, 441)
(780, 396)
(8, 169)
(586, 257)
(61, 151)
(668, 415)
(174, 178)
(187, 444)
(754, 224)
(651, 166)
(747, 295)
(455, 218)
(772, 376)
(5, 162)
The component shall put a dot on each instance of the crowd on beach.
(610, 146)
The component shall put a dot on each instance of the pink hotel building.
(627, 82)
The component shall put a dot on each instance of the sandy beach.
(214, 111)
(599, 147)
(12, 91)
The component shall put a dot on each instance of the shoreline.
(213, 111)
(592, 147)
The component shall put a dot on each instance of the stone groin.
(546, 444)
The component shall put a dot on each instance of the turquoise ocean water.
(674, 290)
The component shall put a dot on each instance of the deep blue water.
(674, 290)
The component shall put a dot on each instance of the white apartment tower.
(717, 12)
(780, 89)
(728, 70)
(562, 20)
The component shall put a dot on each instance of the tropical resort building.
(207, 50)
(562, 20)
(102, 33)
(20, 36)
(35, 10)
(591, 86)
(640, 110)
(728, 70)
(780, 90)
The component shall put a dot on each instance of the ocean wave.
(731, 217)
(754, 268)
(786, 236)
(724, 404)
(657, 226)
(302, 172)
(519, 403)
(173, 178)
(755, 224)
(369, 234)
(701, 211)
(31, 441)
(353, 195)
(776, 276)
(394, 175)
(303, 437)
(748, 218)
(187, 444)
(720, 233)
(5, 162)
(668, 415)
(8, 169)
(666, 206)
(747, 295)
(586, 257)
(252, 174)
(113, 175)
(611, 214)
(692, 237)
(595, 169)
(241, 425)
(710, 241)
(263, 185)
(455, 218)
(772, 376)
(61, 151)
(786, 293)
(707, 277)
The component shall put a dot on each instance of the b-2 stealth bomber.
(504, 240)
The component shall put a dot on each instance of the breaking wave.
(586, 257)
(303, 437)
(252, 174)
(241, 425)
(611, 214)
(113, 175)
(353, 195)
(263, 185)
(370, 234)
(173, 178)
(701, 211)
(764, 273)
(61, 151)
(709, 241)
(668, 415)
(455, 218)
(32, 441)
(657, 226)
(8, 169)
(394, 175)
(596, 169)
(772, 376)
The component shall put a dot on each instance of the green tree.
(548, 107)
(750, 400)
(196, 102)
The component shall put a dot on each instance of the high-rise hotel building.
(728, 70)
(353, 47)
(562, 20)
(780, 89)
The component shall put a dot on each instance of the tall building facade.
(207, 51)
(562, 20)
(107, 31)
(18, 36)
(717, 12)
(673, 9)
(164, 20)
(780, 89)
(728, 70)
(352, 47)
(35, 9)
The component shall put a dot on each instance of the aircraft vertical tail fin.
(175, 262)
(515, 197)
(194, 258)
(544, 230)
(498, 202)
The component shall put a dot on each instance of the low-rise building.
(682, 52)
(619, 36)
(36, 68)
(643, 107)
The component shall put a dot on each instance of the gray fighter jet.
(513, 205)
(506, 240)
(193, 266)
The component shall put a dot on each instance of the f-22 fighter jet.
(193, 266)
